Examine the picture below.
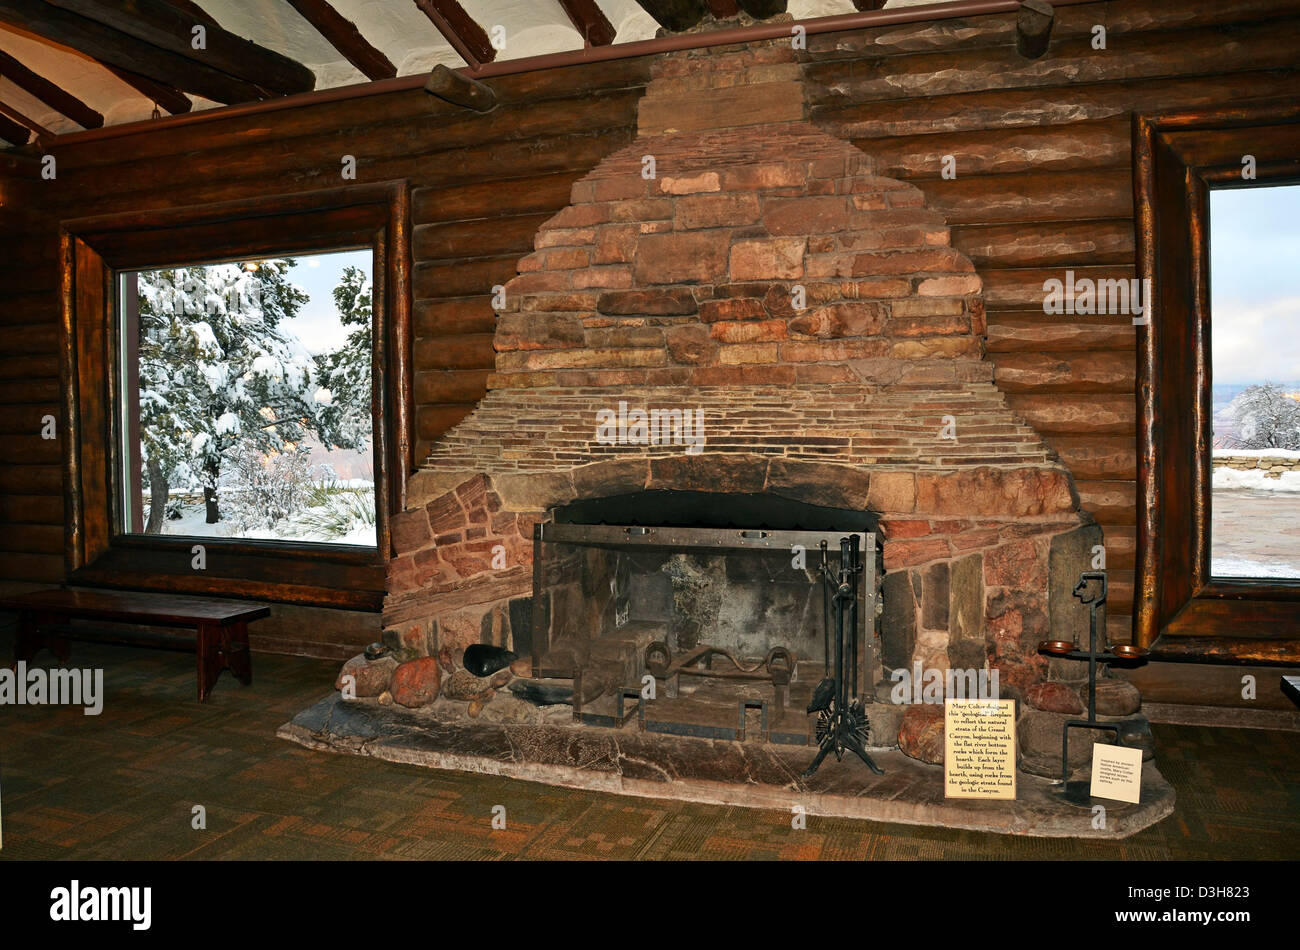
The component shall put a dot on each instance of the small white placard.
(1116, 773)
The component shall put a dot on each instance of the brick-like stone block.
(698, 256)
(848, 318)
(715, 211)
(817, 215)
(892, 492)
(410, 531)
(767, 259)
(731, 309)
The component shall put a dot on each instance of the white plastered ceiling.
(397, 28)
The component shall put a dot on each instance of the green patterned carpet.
(124, 785)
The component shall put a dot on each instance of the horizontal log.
(462, 279)
(1062, 244)
(1114, 502)
(1157, 54)
(486, 237)
(31, 538)
(1108, 371)
(28, 392)
(31, 509)
(1199, 684)
(29, 367)
(1058, 105)
(234, 160)
(1119, 591)
(1021, 288)
(1039, 197)
(26, 420)
(466, 351)
(433, 421)
(1027, 331)
(31, 480)
(493, 199)
(36, 568)
(1078, 146)
(29, 339)
(1097, 457)
(1121, 546)
(34, 449)
(537, 90)
(1080, 415)
(432, 318)
(450, 387)
(996, 30)
(1119, 629)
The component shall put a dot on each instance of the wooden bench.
(221, 627)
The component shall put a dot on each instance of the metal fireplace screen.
(729, 630)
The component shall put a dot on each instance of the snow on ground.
(1245, 567)
(1254, 479)
(193, 524)
(1257, 453)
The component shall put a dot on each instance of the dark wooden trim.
(98, 551)
(344, 36)
(589, 20)
(161, 25)
(459, 29)
(14, 132)
(43, 135)
(1180, 610)
(54, 96)
(162, 95)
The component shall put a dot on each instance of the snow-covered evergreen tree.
(1268, 418)
(218, 376)
(344, 374)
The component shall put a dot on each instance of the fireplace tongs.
(842, 722)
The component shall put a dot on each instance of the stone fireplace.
(736, 305)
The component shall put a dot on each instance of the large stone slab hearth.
(749, 774)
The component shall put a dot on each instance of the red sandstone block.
(772, 259)
(690, 184)
(582, 192)
(530, 264)
(816, 215)
(731, 309)
(848, 318)
(882, 238)
(746, 375)
(931, 260)
(410, 531)
(566, 258)
(690, 344)
(669, 301)
(642, 209)
(535, 283)
(748, 353)
(905, 199)
(765, 176)
(908, 553)
(563, 237)
(580, 216)
(615, 244)
(948, 286)
(713, 211)
(558, 303)
(764, 331)
(445, 515)
(824, 373)
(880, 287)
(613, 277)
(928, 325)
(831, 166)
(698, 256)
(833, 351)
(901, 530)
(970, 540)
(621, 188)
(1015, 564)
(937, 348)
(870, 202)
(821, 245)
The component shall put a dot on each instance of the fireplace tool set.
(842, 723)
(1079, 791)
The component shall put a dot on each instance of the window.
(246, 399)
(1216, 208)
(238, 380)
(1255, 379)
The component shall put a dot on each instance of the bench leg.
(210, 661)
(238, 656)
(31, 640)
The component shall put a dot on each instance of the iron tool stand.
(1079, 793)
(842, 722)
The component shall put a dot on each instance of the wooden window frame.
(1180, 611)
(94, 251)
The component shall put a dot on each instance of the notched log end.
(450, 86)
(1034, 28)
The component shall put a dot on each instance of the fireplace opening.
(701, 614)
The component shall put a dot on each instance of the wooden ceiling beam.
(762, 9)
(13, 132)
(55, 97)
(113, 48)
(675, 15)
(460, 30)
(868, 5)
(163, 96)
(43, 134)
(344, 36)
(193, 9)
(162, 25)
(589, 20)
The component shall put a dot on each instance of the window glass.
(246, 400)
